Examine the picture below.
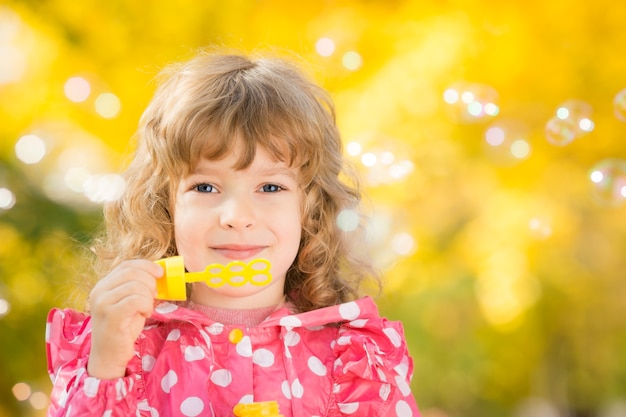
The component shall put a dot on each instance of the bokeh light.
(108, 105)
(325, 46)
(354, 148)
(101, 188)
(7, 199)
(348, 220)
(30, 149)
(352, 60)
(21, 391)
(403, 244)
(38, 400)
(5, 307)
(77, 89)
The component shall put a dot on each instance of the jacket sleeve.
(373, 370)
(74, 392)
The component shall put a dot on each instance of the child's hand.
(120, 303)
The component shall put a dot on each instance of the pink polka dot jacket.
(189, 365)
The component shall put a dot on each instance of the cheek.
(186, 227)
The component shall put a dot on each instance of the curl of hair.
(196, 112)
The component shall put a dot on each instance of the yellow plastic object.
(171, 286)
(260, 409)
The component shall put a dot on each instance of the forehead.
(263, 163)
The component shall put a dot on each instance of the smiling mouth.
(238, 252)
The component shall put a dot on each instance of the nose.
(237, 213)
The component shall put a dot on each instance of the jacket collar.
(354, 311)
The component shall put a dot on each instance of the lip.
(238, 252)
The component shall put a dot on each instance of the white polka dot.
(349, 311)
(404, 388)
(194, 353)
(290, 321)
(168, 381)
(297, 390)
(292, 338)
(90, 387)
(348, 408)
(107, 413)
(144, 406)
(192, 407)
(381, 374)
(48, 332)
(316, 366)
(385, 390)
(403, 409)
(120, 389)
(263, 357)
(63, 398)
(206, 338)
(174, 335)
(403, 368)
(244, 347)
(166, 308)
(394, 336)
(336, 388)
(359, 324)
(215, 328)
(222, 377)
(343, 340)
(338, 363)
(284, 387)
(247, 399)
(147, 363)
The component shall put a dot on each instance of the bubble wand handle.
(171, 286)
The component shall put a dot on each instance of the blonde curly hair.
(266, 102)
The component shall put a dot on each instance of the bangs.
(217, 141)
(211, 109)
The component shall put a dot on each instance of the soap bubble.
(619, 105)
(471, 102)
(506, 142)
(572, 120)
(560, 131)
(608, 179)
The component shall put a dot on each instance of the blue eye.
(204, 188)
(271, 188)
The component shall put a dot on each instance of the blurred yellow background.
(491, 138)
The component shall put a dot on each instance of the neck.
(247, 318)
(234, 298)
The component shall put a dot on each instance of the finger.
(103, 300)
(141, 270)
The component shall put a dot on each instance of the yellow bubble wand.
(171, 286)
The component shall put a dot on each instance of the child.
(238, 159)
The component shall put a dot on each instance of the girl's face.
(222, 215)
